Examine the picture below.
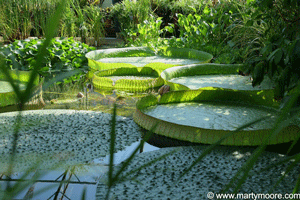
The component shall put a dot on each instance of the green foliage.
(130, 14)
(10, 191)
(148, 33)
(62, 55)
(277, 54)
(21, 19)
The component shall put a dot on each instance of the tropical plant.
(274, 49)
(62, 55)
(148, 33)
(130, 14)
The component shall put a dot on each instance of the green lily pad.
(236, 82)
(6, 87)
(207, 115)
(7, 95)
(143, 56)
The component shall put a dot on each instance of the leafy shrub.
(62, 55)
(278, 55)
(130, 14)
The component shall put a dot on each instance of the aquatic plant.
(62, 55)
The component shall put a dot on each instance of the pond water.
(88, 174)
(142, 61)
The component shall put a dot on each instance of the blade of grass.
(213, 146)
(296, 189)
(40, 59)
(128, 160)
(124, 178)
(275, 164)
(111, 150)
(83, 193)
(289, 168)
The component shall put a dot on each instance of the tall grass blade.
(296, 189)
(213, 146)
(289, 168)
(40, 59)
(128, 160)
(83, 194)
(112, 150)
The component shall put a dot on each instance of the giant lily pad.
(142, 56)
(7, 95)
(212, 75)
(64, 137)
(137, 62)
(134, 79)
(161, 180)
(212, 113)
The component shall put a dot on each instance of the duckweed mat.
(160, 180)
(218, 122)
(62, 137)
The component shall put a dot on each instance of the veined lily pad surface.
(64, 137)
(142, 61)
(236, 82)
(161, 180)
(212, 115)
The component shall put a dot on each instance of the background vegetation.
(262, 34)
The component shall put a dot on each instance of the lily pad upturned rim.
(210, 136)
(9, 98)
(187, 53)
(200, 69)
(101, 79)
